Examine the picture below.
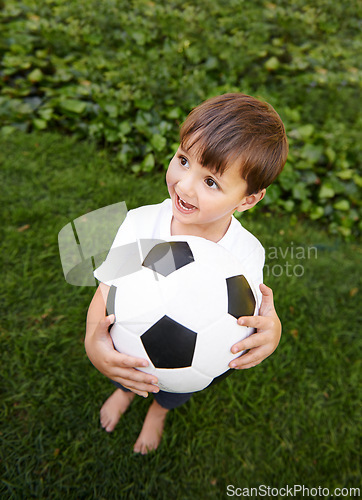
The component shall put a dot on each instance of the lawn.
(293, 420)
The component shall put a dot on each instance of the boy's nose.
(187, 185)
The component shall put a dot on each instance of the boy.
(232, 148)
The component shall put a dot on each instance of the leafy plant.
(127, 73)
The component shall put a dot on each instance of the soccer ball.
(179, 311)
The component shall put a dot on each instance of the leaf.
(35, 76)
(342, 205)
(303, 132)
(40, 124)
(33, 102)
(148, 163)
(145, 104)
(331, 154)
(345, 174)
(73, 105)
(174, 113)
(288, 205)
(300, 191)
(21, 108)
(317, 213)
(158, 142)
(273, 194)
(136, 168)
(326, 191)
(112, 110)
(46, 113)
(272, 64)
(358, 180)
(111, 134)
(139, 37)
(288, 177)
(124, 128)
(345, 231)
(312, 152)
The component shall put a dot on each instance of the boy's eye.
(184, 162)
(211, 183)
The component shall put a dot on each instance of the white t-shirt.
(153, 222)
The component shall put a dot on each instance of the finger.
(114, 366)
(248, 360)
(144, 394)
(249, 365)
(255, 340)
(258, 322)
(135, 377)
(265, 290)
(104, 324)
(111, 319)
(138, 391)
(107, 321)
(267, 293)
(131, 361)
(267, 300)
(135, 386)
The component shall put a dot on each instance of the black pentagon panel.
(169, 344)
(167, 257)
(110, 306)
(241, 301)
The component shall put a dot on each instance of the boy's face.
(203, 202)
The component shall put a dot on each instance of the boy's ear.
(250, 201)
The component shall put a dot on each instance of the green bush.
(127, 73)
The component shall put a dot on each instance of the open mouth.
(183, 206)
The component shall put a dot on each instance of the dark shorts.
(168, 400)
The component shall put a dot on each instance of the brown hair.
(238, 128)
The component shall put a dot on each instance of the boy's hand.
(266, 339)
(115, 365)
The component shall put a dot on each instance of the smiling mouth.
(183, 205)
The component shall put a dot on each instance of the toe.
(104, 422)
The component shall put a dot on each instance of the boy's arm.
(266, 339)
(100, 350)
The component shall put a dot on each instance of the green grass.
(294, 419)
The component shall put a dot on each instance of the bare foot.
(151, 433)
(114, 407)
